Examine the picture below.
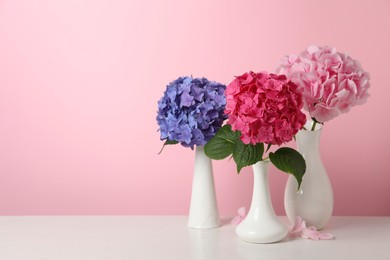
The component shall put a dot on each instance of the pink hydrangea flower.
(265, 108)
(332, 81)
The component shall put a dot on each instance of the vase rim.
(308, 126)
(312, 131)
(267, 161)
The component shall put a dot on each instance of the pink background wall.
(80, 80)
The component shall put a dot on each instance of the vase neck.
(260, 168)
(261, 197)
(199, 149)
(202, 162)
(203, 209)
(200, 155)
(308, 141)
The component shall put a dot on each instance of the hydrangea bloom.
(191, 111)
(332, 81)
(265, 108)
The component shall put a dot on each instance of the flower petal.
(332, 82)
(326, 236)
(241, 212)
(310, 233)
(236, 220)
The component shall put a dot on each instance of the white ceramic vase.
(261, 225)
(314, 200)
(203, 209)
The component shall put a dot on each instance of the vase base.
(204, 227)
(202, 223)
(261, 234)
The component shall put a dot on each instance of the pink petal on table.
(326, 236)
(241, 212)
(236, 220)
(310, 233)
(298, 226)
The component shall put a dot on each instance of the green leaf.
(290, 161)
(247, 154)
(222, 144)
(168, 142)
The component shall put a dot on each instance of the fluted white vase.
(313, 202)
(261, 225)
(203, 209)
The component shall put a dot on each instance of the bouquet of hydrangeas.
(191, 111)
(262, 109)
(331, 82)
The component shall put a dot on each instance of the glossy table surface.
(167, 237)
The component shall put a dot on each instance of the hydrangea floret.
(265, 108)
(332, 82)
(191, 111)
(262, 108)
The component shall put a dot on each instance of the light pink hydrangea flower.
(265, 108)
(332, 81)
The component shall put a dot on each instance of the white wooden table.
(167, 237)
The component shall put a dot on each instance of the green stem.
(268, 146)
(314, 125)
(162, 148)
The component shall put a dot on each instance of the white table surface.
(167, 237)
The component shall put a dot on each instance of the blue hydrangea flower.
(191, 111)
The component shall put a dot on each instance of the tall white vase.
(261, 225)
(204, 209)
(314, 201)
